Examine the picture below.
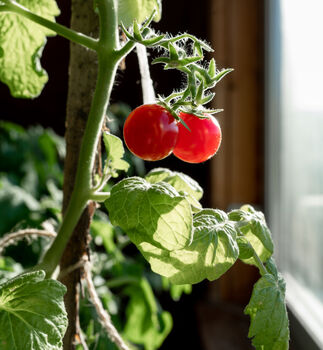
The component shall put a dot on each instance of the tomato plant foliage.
(161, 213)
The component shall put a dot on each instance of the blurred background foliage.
(31, 178)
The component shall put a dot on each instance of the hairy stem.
(108, 61)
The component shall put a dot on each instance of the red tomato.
(199, 144)
(150, 132)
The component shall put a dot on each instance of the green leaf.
(181, 182)
(115, 151)
(245, 249)
(253, 227)
(154, 213)
(129, 10)
(268, 314)
(32, 314)
(146, 324)
(9, 268)
(22, 42)
(212, 252)
(176, 290)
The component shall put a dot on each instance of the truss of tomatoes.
(151, 133)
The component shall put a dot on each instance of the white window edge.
(306, 307)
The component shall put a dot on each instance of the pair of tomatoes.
(152, 133)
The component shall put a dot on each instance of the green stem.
(100, 196)
(82, 193)
(260, 265)
(61, 30)
(126, 49)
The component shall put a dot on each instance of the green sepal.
(208, 98)
(176, 63)
(198, 49)
(199, 93)
(184, 124)
(127, 33)
(205, 46)
(136, 31)
(152, 41)
(212, 68)
(192, 85)
(173, 55)
(199, 111)
(221, 74)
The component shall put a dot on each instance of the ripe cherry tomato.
(199, 144)
(150, 132)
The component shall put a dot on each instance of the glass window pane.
(295, 141)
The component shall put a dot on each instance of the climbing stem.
(108, 60)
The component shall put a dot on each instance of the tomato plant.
(160, 214)
(199, 143)
(150, 132)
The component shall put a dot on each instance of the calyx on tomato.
(150, 132)
(199, 143)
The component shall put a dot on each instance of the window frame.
(306, 311)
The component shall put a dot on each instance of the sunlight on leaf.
(181, 182)
(32, 314)
(115, 152)
(268, 314)
(129, 10)
(212, 252)
(21, 44)
(252, 226)
(154, 213)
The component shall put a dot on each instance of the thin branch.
(13, 237)
(72, 268)
(82, 341)
(103, 315)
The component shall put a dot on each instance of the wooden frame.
(237, 175)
